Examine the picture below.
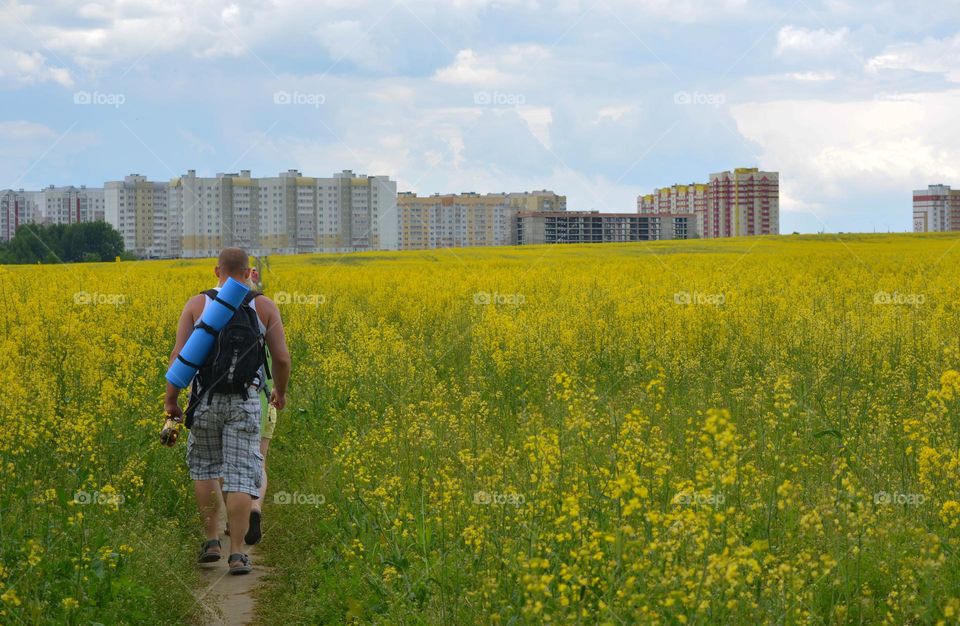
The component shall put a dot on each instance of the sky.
(855, 103)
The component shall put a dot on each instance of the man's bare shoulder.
(267, 310)
(194, 305)
(266, 302)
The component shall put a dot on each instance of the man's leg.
(242, 471)
(205, 460)
(208, 501)
(238, 514)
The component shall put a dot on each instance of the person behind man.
(224, 441)
(268, 424)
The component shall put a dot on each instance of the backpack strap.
(214, 294)
(266, 364)
(247, 299)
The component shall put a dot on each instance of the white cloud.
(613, 113)
(20, 130)
(811, 76)
(808, 42)
(393, 93)
(469, 69)
(351, 41)
(683, 11)
(834, 150)
(200, 146)
(506, 66)
(538, 120)
(930, 55)
(31, 68)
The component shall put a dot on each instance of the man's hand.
(277, 399)
(172, 409)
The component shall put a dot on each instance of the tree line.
(86, 242)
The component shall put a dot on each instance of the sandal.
(239, 564)
(207, 555)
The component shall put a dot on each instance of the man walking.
(268, 425)
(224, 441)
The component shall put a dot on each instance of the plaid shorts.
(224, 442)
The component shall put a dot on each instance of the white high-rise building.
(204, 206)
(357, 213)
(286, 214)
(140, 210)
(70, 205)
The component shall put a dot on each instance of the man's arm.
(184, 328)
(276, 340)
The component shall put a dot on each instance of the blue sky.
(854, 102)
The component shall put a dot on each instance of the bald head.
(233, 262)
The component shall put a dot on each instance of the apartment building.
(738, 203)
(680, 199)
(52, 205)
(16, 208)
(742, 203)
(467, 219)
(936, 209)
(140, 211)
(542, 227)
(356, 213)
(286, 214)
(69, 205)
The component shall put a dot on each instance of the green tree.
(90, 241)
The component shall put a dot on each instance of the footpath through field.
(227, 600)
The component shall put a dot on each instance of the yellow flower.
(10, 597)
(950, 513)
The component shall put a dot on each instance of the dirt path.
(228, 600)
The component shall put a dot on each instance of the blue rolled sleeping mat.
(215, 317)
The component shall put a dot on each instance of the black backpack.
(237, 356)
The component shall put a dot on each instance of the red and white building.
(71, 205)
(936, 209)
(16, 208)
(740, 203)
